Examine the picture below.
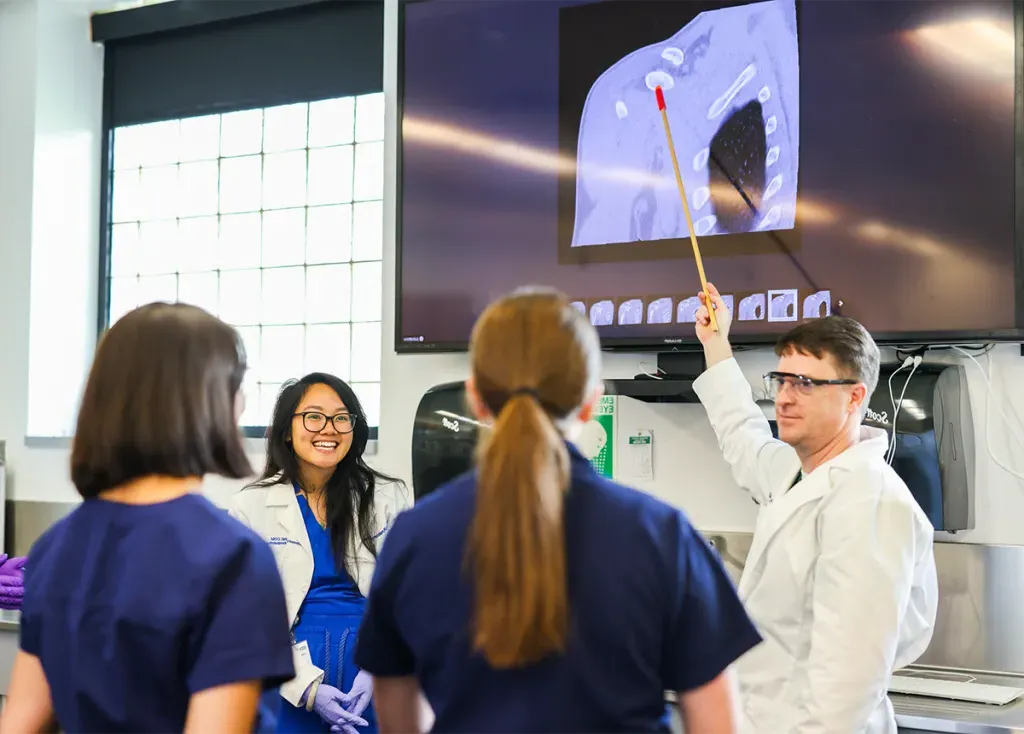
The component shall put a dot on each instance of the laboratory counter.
(8, 646)
(920, 714)
(9, 620)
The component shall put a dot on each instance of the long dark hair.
(353, 483)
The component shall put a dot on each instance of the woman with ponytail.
(533, 595)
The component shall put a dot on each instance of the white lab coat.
(273, 512)
(840, 578)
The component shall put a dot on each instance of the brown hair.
(160, 400)
(846, 341)
(535, 360)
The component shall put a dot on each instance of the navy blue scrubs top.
(133, 608)
(652, 610)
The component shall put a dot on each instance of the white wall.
(30, 110)
(17, 126)
(688, 470)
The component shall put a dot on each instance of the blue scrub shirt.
(131, 609)
(328, 623)
(652, 610)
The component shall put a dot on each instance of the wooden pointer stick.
(660, 96)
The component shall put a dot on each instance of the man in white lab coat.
(840, 578)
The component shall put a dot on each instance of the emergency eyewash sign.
(597, 438)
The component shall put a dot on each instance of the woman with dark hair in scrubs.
(534, 595)
(325, 513)
(148, 609)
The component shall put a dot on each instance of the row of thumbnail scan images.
(773, 305)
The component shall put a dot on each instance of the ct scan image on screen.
(731, 83)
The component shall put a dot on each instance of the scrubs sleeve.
(381, 650)
(242, 631)
(28, 621)
(708, 629)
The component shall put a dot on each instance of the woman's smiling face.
(321, 428)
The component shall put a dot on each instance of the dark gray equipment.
(443, 438)
(935, 446)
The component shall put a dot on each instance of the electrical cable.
(913, 363)
(655, 375)
(986, 375)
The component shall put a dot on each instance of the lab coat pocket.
(786, 711)
(769, 707)
(319, 641)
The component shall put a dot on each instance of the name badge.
(278, 540)
(302, 649)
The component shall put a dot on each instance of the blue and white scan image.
(731, 84)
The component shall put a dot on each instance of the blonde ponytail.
(536, 361)
(517, 543)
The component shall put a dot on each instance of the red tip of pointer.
(660, 96)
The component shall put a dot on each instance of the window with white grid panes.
(271, 219)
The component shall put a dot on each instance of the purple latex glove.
(12, 566)
(12, 591)
(358, 697)
(328, 706)
(10, 584)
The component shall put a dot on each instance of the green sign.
(604, 418)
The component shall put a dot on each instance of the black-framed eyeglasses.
(314, 421)
(801, 384)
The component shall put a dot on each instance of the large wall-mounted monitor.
(838, 157)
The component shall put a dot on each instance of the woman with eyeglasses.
(324, 512)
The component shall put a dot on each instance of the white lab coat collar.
(280, 494)
(873, 444)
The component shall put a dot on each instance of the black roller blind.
(203, 62)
